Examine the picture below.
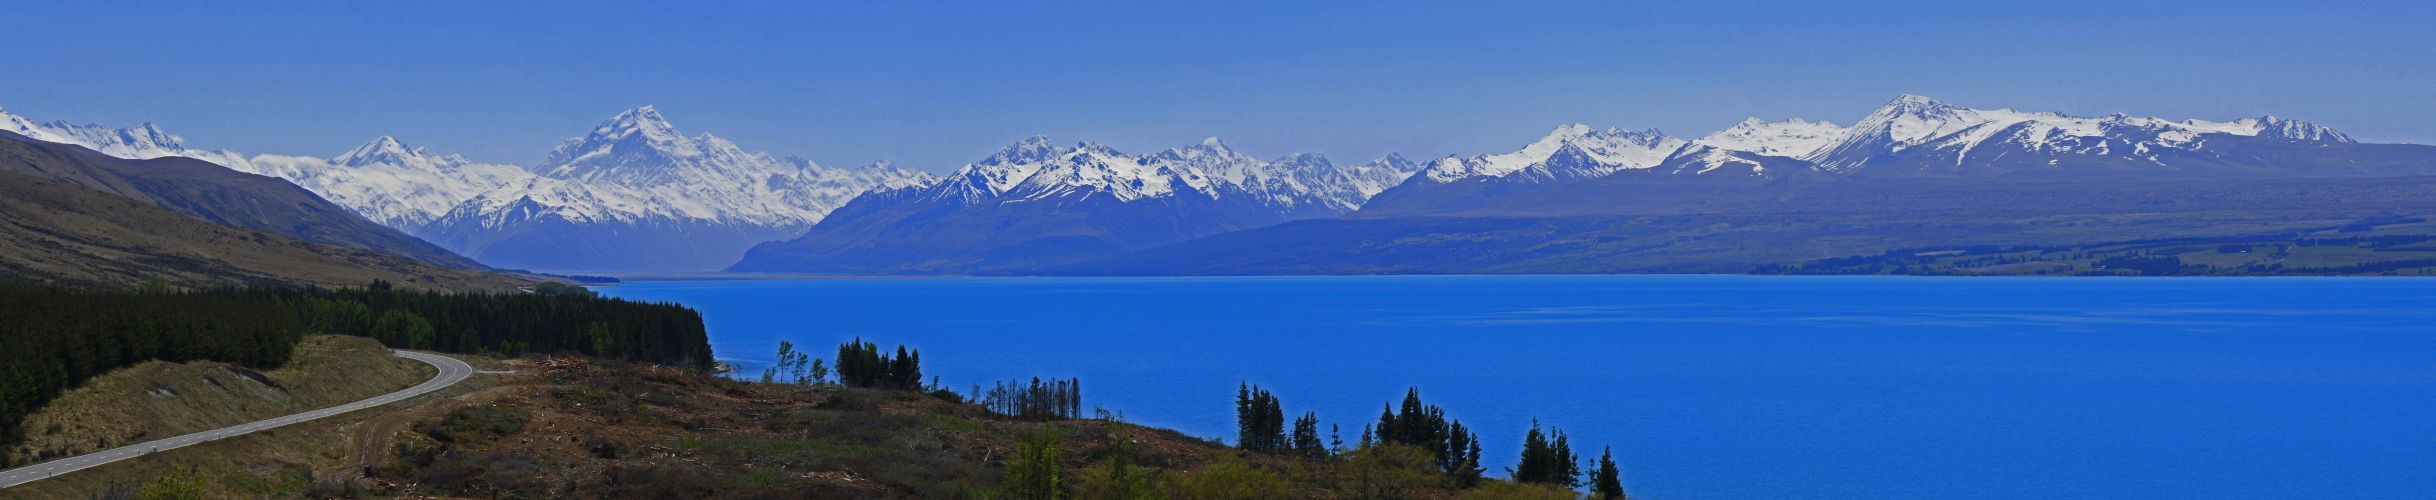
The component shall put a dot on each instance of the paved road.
(451, 372)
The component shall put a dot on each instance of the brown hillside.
(54, 232)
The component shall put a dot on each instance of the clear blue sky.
(935, 85)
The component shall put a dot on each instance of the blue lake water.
(1720, 386)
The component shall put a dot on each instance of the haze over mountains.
(635, 194)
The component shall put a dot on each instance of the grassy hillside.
(280, 463)
(54, 232)
(571, 428)
(580, 428)
(54, 340)
(160, 399)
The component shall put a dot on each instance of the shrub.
(1117, 479)
(1502, 490)
(1389, 471)
(1034, 472)
(1228, 479)
(474, 423)
(179, 484)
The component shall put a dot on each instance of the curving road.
(451, 372)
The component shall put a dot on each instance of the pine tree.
(1260, 421)
(1306, 437)
(1246, 435)
(1547, 461)
(1533, 467)
(1472, 471)
(1565, 468)
(1424, 426)
(1336, 440)
(1463, 455)
(1606, 483)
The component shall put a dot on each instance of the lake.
(1718, 386)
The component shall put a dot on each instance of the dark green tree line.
(510, 324)
(1547, 461)
(1039, 401)
(1306, 441)
(53, 339)
(1260, 424)
(1425, 426)
(862, 364)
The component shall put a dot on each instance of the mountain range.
(1914, 173)
(1038, 203)
(1575, 170)
(635, 194)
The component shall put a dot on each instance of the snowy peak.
(643, 121)
(2271, 126)
(1911, 121)
(1911, 118)
(1791, 138)
(637, 147)
(1396, 161)
(1034, 149)
(385, 146)
(387, 150)
(1037, 168)
(1211, 163)
(1304, 161)
(1090, 168)
(139, 142)
(1208, 152)
(1297, 185)
(1607, 151)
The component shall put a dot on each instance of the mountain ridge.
(634, 177)
(79, 218)
(1035, 202)
(637, 193)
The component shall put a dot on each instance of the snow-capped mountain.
(1909, 133)
(1343, 188)
(389, 182)
(1036, 202)
(637, 194)
(141, 142)
(1790, 138)
(1297, 185)
(1752, 148)
(597, 197)
(1036, 168)
(639, 167)
(1915, 126)
(1603, 151)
